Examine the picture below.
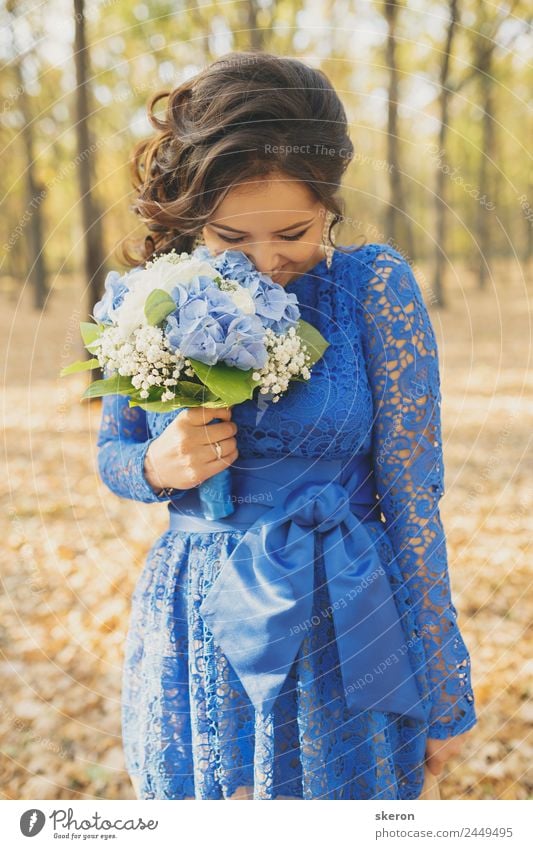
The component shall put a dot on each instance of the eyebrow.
(243, 232)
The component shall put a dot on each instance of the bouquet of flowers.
(189, 330)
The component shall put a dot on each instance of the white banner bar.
(359, 824)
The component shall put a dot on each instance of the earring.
(328, 247)
(198, 240)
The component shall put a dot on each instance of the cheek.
(297, 253)
(304, 251)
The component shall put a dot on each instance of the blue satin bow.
(260, 603)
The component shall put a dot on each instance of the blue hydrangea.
(231, 264)
(244, 347)
(196, 333)
(277, 309)
(114, 291)
(208, 326)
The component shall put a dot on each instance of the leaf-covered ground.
(72, 551)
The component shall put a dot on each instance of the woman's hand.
(438, 752)
(184, 455)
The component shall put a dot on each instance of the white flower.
(287, 359)
(145, 358)
(168, 273)
(242, 299)
(162, 274)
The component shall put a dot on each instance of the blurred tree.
(527, 251)
(441, 180)
(485, 39)
(484, 45)
(35, 189)
(258, 35)
(394, 109)
(398, 225)
(92, 227)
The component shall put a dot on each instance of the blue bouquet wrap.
(215, 493)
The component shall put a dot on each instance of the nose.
(265, 257)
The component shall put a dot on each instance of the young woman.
(372, 690)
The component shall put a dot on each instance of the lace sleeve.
(402, 363)
(123, 442)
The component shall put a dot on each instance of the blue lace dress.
(189, 729)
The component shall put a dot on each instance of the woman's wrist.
(151, 475)
(153, 480)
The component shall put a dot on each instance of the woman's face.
(276, 221)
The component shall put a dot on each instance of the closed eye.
(285, 238)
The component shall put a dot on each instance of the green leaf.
(232, 385)
(79, 365)
(195, 390)
(177, 403)
(90, 333)
(189, 394)
(164, 406)
(115, 385)
(310, 336)
(158, 305)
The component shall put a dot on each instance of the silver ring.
(218, 449)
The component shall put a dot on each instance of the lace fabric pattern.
(189, 729)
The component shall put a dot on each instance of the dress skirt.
(191, 732)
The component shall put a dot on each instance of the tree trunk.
(527, 212)
(91, 221)
(35, 194)
(484, 234)
(256, 36)
(440, 188)
(398, 225)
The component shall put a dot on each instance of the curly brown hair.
(241, 117)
